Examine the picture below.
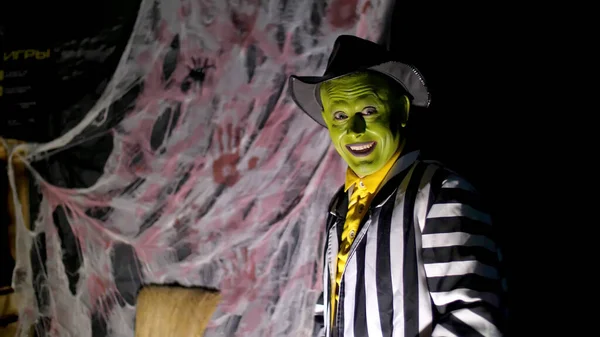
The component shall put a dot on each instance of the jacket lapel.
(337, 215)
(396, 174)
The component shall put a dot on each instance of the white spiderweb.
(215, 177)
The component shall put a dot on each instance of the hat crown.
(351, 53)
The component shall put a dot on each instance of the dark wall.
(50, 89)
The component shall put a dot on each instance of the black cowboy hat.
(351, 54)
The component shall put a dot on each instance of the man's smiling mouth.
(361, 149)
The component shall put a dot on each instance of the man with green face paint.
(410, 249)
(362, 116)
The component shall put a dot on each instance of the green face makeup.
(363, 118)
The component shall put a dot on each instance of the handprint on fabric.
(240, 284)
(225, 167)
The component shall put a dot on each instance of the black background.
(481, 76)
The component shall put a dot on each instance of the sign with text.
(26, 77)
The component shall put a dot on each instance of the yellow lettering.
(40, 55)
(13, 54)
(29, 53)
(1, 75)
(1, 91)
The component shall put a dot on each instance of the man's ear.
(405, 104)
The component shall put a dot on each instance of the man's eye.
(339, 116)
(369, 111)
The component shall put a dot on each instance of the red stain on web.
(342, 13)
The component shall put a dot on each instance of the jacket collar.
(397, 172)
(339, 204)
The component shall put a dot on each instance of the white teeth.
(361, 147)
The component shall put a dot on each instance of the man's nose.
(358, 124)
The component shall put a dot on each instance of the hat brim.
(304, 88)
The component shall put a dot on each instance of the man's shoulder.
(430, 175)
(441, 174)
(434, 165)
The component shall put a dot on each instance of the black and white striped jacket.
(424, 262)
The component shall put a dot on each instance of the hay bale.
(165, 311)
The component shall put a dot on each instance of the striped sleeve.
(461, 263)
